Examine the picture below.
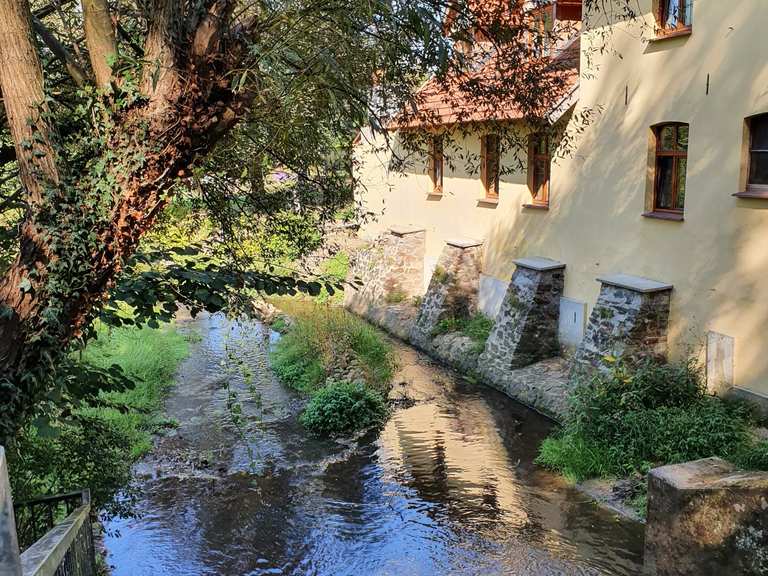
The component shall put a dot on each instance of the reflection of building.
(668, 181)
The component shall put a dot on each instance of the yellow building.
(667, 181)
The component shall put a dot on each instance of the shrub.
(334, 270)
(635, 417)
(343, 407)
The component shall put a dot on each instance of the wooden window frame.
(539, 17)
(436, 159)
(543, 200)
(676, 155)
(681, 29)
(491, 187)
(754, 190)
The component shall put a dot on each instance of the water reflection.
(447, 488)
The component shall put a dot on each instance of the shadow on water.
(448, 487)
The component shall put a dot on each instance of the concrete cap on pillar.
(635, 283)
(403, 230)
(464, 242)
(540, 264)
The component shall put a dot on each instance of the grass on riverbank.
(321, 351)
(96, 445)
(631, 419)
(477, 327)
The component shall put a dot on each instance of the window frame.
(749, 188)
(436, 159)
(490, 145)
(676, 155)
(681, 28)
(533, 156)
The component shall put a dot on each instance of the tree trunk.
(53, 289)
(100, 38)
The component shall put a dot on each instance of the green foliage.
(396, 297)
(342, 408)
(346, 214)
(96, 445)
(632, 418)
(284, 237)
(477, 327)
(334, 272)
(440, 275)
(321, 339)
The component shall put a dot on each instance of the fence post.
(10, 561)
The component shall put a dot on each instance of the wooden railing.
(65, 549)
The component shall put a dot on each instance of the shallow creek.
(448, 487)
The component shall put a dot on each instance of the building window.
(675, 16)
(670, 168)
(540, 32)
(539, 162)
(436, 164)
(757, 179)
(490, 165)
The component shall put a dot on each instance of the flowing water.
(448, 487)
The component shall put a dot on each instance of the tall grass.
(96, 445)
(149, 358)
(323, 338)
(633, 418)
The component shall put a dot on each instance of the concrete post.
(10, 560)
(706, 517)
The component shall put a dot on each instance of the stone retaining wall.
(390, 274)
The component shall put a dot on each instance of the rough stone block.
(391, 273)
(630, 320)
(526, 327)
(706, 518)
(453, 291)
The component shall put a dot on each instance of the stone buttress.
(390, 273)
(630, 320)
(452, 293)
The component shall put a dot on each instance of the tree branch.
(58, 49)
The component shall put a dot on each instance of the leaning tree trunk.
(69, 258)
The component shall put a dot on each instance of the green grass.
(634, 418)
(320, 338)
(334, 270)
(477, 327)
(96, 445)
(149, 358)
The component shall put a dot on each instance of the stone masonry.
(525, 330)
(453, 290)
(630, 320)
(390, 274)
(706, 517)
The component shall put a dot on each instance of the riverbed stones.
(452, 292)
(706, 517)
(387, 277)
(525, 330)
(629, 320)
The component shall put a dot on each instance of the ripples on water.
(447, 488)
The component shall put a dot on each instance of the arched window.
(671, 166)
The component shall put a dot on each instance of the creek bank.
(448, 486)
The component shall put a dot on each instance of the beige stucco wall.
(717, 258)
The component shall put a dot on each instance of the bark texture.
(189, 106)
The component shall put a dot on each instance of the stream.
(448, 487)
